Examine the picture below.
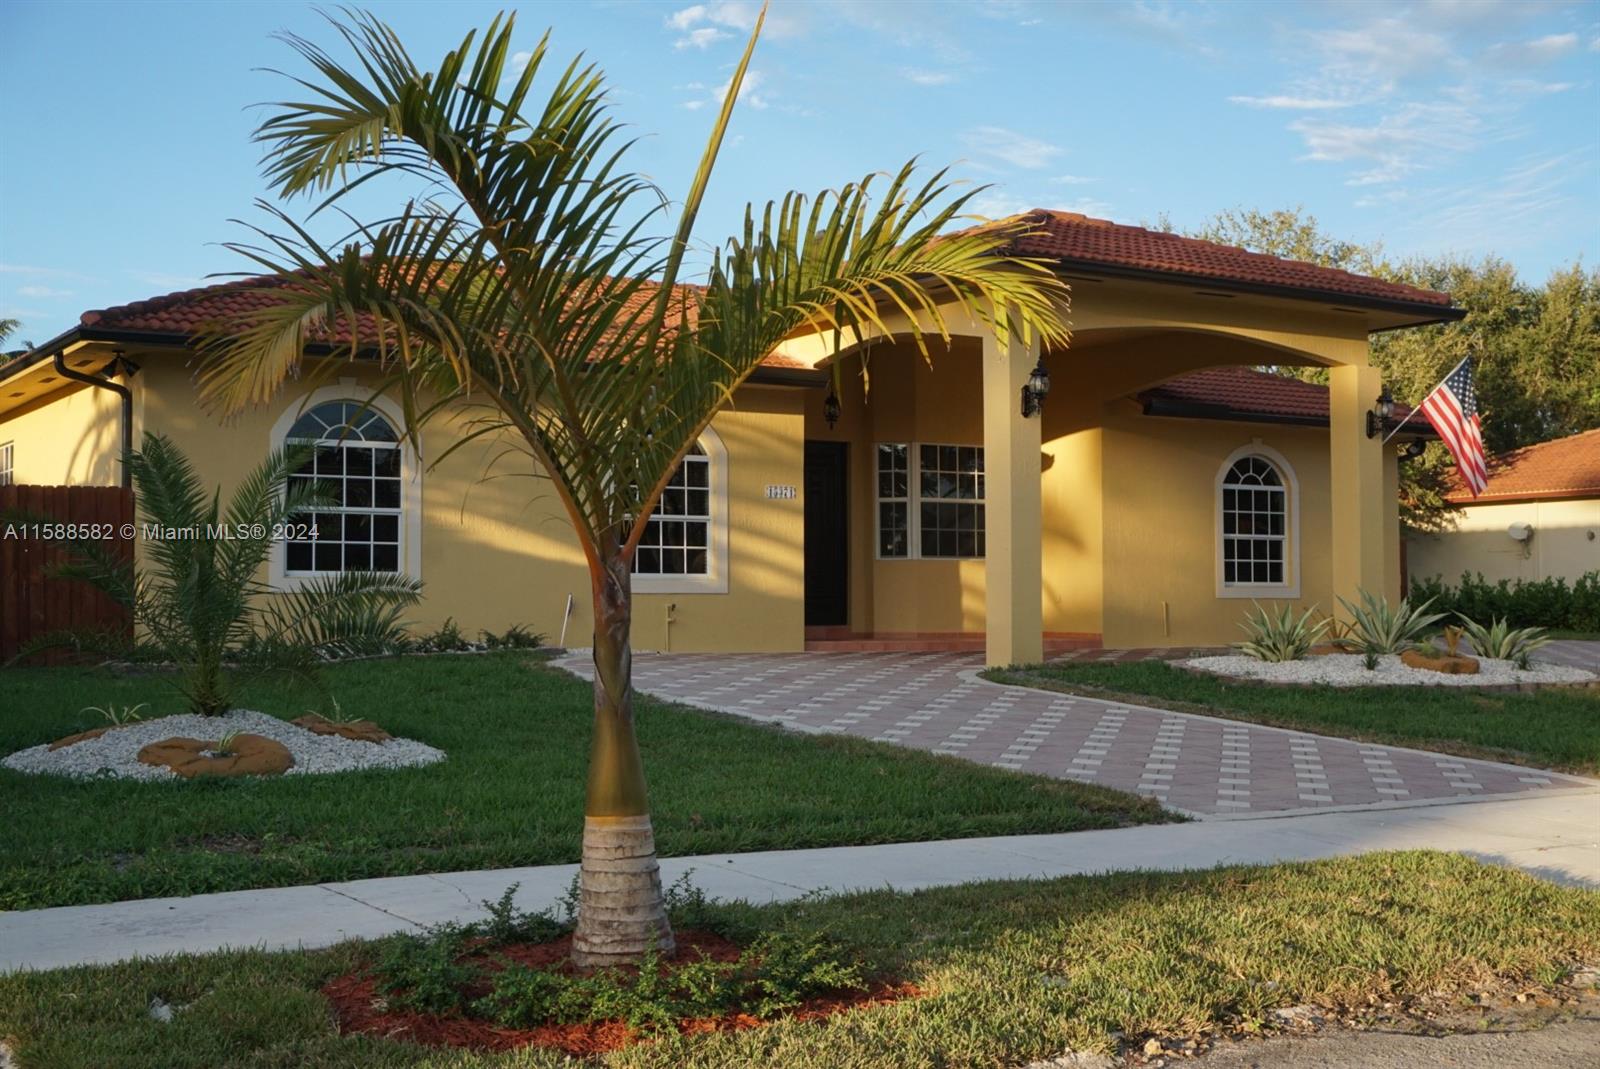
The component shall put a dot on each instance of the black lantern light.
(1414, 449)
(1035, 389)
(1381, 411)
(830, 408)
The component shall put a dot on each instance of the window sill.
(679, 584)
(1280, 592)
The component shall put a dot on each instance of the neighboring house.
(1163, 488)
(1539, 518)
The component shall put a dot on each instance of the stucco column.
(1014, 621)
(1357, 485)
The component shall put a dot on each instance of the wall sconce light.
(1035, 389)
(1381, 411)
(830, 408)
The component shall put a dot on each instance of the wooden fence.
(32, 601)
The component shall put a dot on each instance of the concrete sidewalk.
(1554, 836)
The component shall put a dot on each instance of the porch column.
(1357, 484)
(1014, 621)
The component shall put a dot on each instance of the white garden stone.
(116, 753)
(1349, 670)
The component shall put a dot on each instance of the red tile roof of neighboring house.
(1242, 393)
(188, 313)
(1563, 468)
(1079, 239)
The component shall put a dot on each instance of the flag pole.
(1418, 406)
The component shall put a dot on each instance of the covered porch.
(940, 516)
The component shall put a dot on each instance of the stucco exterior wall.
(1565, 542)
(499, 551)
(1161, 537)
(69, 438)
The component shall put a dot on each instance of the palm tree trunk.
(621, 913)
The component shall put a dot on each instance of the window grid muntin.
(1255, 524)
(8, 471)
(894, 500)
(930, 501)
(677, 538)
(357, 455)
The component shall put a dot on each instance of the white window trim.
(1290, 588)
(278, 575)
(8, 471)
(715, 579)
(913, 501)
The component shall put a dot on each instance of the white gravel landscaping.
(115, 753)
(1349, 670)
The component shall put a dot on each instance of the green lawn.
(1012, 972)
(1550, 728)
(511, 792)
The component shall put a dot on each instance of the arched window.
(358, 461)
(1255, 524)
(677, 540)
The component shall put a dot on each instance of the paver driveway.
(1198, 765)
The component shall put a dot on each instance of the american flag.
(1452, 408)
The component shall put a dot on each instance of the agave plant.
(1500, 642)
(1375, 627)
(1281, 636)
(199, 599)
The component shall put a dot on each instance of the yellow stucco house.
(1160, 488)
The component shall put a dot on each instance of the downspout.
(119, 363)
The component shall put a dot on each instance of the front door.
(827, 535)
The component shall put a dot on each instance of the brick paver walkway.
(1576, 653)
(1198, 765)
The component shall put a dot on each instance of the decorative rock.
(1454, 666)
(82, 736)
(356, 730)
(253, 755)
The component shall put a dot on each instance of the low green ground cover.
(510, 793)
(1010, 972)
(1549, 728)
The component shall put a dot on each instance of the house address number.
(782, 493)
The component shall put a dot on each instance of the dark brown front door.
(827, 535)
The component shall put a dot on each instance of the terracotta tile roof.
(1563, 468)
(1242, 393)
(187, 313)
(1079, 239)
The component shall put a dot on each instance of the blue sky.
(1447, 126)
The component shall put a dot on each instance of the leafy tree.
(528, 282)
(199, 602)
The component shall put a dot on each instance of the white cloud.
(1019, 150)
(171, 282)
(1532, 53)
(702, 25)
(1089, 206)
(42, 272)
(701, 38)
(1072, 180)
(519, 61)
(997, 204)
(749, 92)
(1395, 145)
(918, 76)
(42, 292)
(1289, 102)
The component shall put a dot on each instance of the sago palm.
(523, 280)
(198, 599)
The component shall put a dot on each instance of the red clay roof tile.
(1563, 468)
(1242, 392)
(1080, 239)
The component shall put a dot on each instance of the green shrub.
(508, 924)
(515, 637)
(1549, 603)
(522, 997)
(425, 972)
(790, 967)
(1375, 628)
(1280, 636)
(1499, 641)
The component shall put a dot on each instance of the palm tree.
(523, 276)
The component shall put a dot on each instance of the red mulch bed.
(359, 1007)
